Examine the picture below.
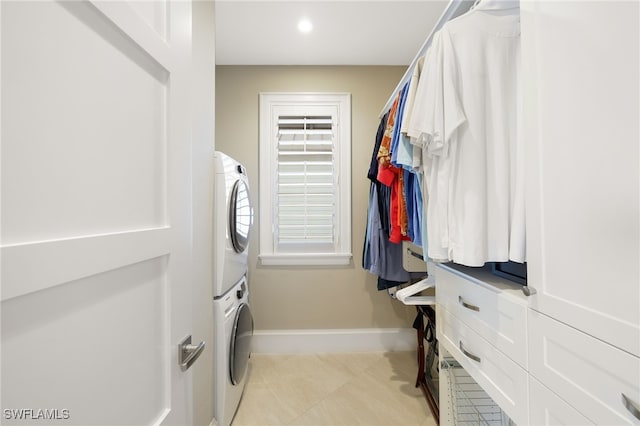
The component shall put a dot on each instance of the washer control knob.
(240, 291)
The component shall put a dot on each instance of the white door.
(581, 68)
(96, 212)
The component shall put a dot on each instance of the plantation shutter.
(306, 185)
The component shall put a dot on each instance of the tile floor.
(333, 389)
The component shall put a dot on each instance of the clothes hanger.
(413, 261)
(406, 295)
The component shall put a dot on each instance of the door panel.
(87, 126)
(96, 225)
(60, 261)
(583, 196)
(114, 322)
(154, 13)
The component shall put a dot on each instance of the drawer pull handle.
(467, 305)
(631, 406)
(476, 358)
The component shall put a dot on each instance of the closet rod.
(454, 9)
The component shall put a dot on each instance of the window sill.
(306, 259)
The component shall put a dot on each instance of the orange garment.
(403, 220)
(392, 176)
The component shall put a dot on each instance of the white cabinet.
(580, 124)
(568, 377)
(589, 374)
(581, 107)
(547, 408)
(581, 103)
(500, 377)
(481, 322)
(490, 306)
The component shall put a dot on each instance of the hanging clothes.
(389, 175)
(381, 257)
(447, 168)
(424, 126)
(401, 177)
(410, 156)
(390, 183)
(404, 158)
(378, 202)
(384, 193)
(465, 121)
(385, 259)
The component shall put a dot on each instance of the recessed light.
(305, 26)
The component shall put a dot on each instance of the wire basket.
(471, 405)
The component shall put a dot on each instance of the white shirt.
(465, 118)
(425, 127)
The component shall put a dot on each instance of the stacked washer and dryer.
(233, 323)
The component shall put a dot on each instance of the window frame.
(270, 104)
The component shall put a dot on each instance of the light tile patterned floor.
(333, 389)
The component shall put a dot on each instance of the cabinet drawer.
(492, 311)
(589, 374)
(504, 380)
(547, 408)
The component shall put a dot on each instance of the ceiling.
(345, 32)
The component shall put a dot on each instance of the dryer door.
(240, 216)
(240, 344)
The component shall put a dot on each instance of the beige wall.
(311, 298)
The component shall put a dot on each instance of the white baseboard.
(334, 340)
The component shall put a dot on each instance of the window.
(305, 179)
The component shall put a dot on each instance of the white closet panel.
(580, 69)
(547, 408)
(589, 374)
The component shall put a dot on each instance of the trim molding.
(334, 340)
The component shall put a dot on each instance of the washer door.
(240, 344)
(240, 216)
